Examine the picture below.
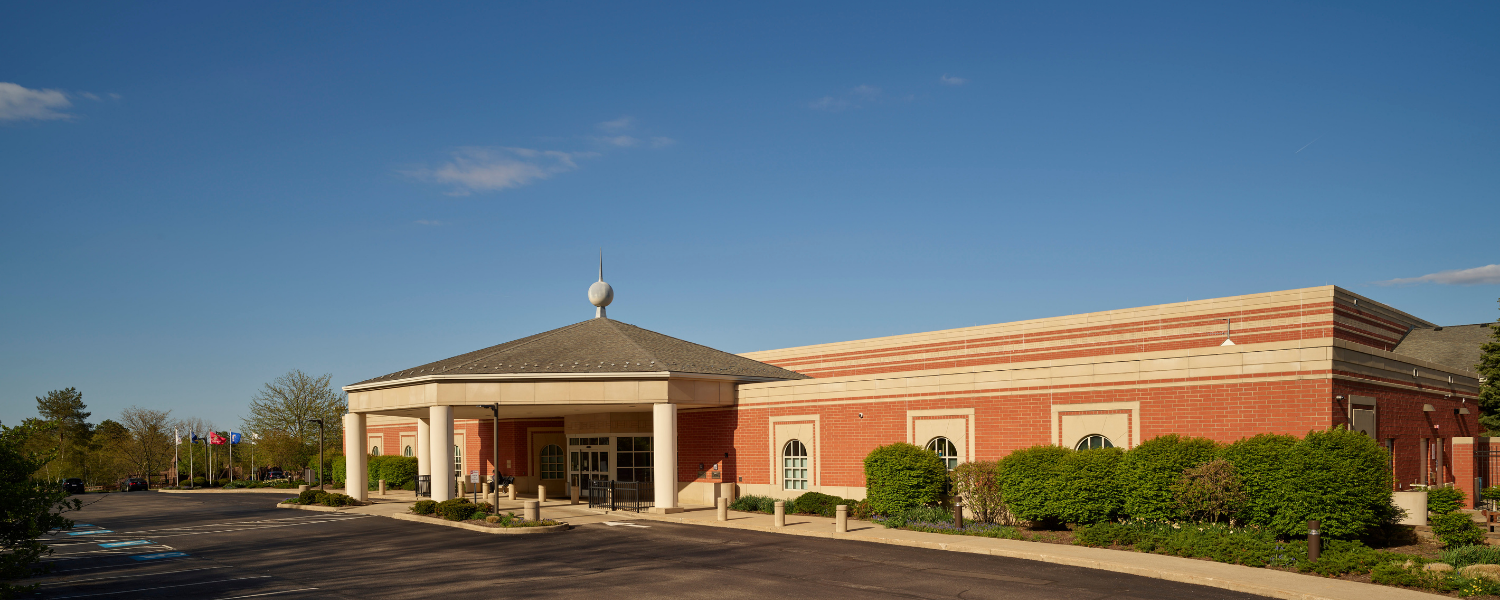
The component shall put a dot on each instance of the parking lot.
(223, 546)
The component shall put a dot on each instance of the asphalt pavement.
(231, 546)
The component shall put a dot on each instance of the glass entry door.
(588, 459)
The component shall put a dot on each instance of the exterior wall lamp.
(1428, 408)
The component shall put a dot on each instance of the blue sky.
(201, 198)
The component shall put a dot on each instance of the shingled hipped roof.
(595, 346)
(1454, 345)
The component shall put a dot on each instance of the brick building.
(602, 399)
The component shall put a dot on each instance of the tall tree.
(64, 409)
(286, 404)
(106, 462)
(150, 441)
(1489, 382)
(29, 508)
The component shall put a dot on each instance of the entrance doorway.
(588, 459)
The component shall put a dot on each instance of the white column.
(664, 456)
(424, 448)
(441, 434)
(356, 457)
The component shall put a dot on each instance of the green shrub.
(900, 476)
(424, 507)
(1491, 493)
(814, 503)
(337, 500)
(753, 503)
(1258, 461)
(1149, 470)
(977, 484)
(200, 482)
(397, 471)
(918, 514)
(1027, 482)
(1456, 529)
(484, 508)
(1210, 492)
(1088, 486)
(310, 496)
(1444, 500)
(1339, 477)
(457, 509)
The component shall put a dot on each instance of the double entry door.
(588, 459)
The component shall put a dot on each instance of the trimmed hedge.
(1028, 480)
(1456, 529)
(1258, 461)
(397, 471)
(424, 507)
(1444, 500)
(1339, 477)
(753, 503)
(901, 476)
(1088, 487)
(1149, 470)
(457, 509)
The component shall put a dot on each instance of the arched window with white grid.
(794, 466)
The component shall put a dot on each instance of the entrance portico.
(587, 375)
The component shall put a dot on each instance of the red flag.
(216, 439)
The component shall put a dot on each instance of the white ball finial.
(600, 294)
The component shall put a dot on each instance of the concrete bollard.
(511, 491)
(723, 509)
(532, 511)
(382, 487)
(301, 488)
(493, 498)
(779, 520)
(541, 493)
(574, 490)
(841, 519)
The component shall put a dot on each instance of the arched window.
(458, 461)
(945, 451)
(794, 466)
(1090, 442)
(552, 462)
(406, 451)
(374, 450)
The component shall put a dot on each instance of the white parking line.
(164, 587)
(73, 581)
(267, 594)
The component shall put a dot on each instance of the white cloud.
(1486, 275)
(620, 124)
(18, 103)
(427, 222)
(829, 103)
(868, 91)
(950, 80)
(494, 169)
(114, 95)
(89, 96)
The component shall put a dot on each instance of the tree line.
(278, 432)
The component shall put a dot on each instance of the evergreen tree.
(64, 410)
(1489, 383)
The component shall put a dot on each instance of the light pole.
(495, 446)
(320, 450)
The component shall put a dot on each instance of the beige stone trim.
(814, 450)
(966, 414)
(1055, 422)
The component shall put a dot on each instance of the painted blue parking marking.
(124, 544)
(158, 555)
(89, 532)
(84, 525)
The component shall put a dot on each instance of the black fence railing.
(424, 486)
(620, 495)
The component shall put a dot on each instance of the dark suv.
(132, 484)
(73, 485)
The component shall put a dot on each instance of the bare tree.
(150, 442)
(286, 404)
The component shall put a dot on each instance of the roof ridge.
(625, 333)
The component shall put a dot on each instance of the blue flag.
(234, 438)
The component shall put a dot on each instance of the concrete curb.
(292, 491)
(1250, 580)
(481, 528)
(315, 507)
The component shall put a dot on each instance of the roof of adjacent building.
(598, 345)
(1453, 346)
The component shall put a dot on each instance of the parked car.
(273, 475)
(73, 485)
(132, 484)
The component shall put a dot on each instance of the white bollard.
(841, 519)
(382, 487)
(779, 520)
(511, 491)
(494, 499)
(301, 488)
(532, 511)
(541, 493)
(723, 509)
(574, 490)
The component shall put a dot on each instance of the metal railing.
(620, 495)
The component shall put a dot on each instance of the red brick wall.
(1399, 416)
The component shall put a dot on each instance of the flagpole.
(176, 468)
(192, 443)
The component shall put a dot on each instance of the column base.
(665, 510)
